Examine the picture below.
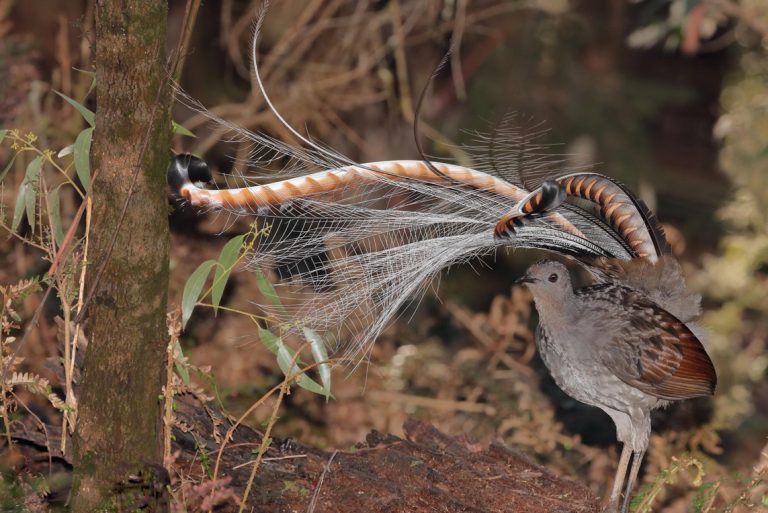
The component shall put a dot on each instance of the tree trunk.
(118, 446)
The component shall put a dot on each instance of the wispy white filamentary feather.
(348, 256)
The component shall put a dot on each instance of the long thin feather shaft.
(281, 192)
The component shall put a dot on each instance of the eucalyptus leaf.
(83, 156)
(180, 364)
(91, 74)
(87, 114)
(270, 341)
(178, 129)
(31, 180)
(55, 211)
(320, 354)
(18, 211)
(66, 150)
(284, 358)
(7, 168)
(227, 259)
(192, 289)
(268, 291)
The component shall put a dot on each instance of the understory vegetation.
(670, 97)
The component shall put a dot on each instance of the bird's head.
(548, 280)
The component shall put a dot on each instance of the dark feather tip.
(186, 168)
(552, 195)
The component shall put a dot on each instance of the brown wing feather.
(660, 355)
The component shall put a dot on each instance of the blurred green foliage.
(736, 278)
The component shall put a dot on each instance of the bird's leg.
(636, 461)
(621, 472)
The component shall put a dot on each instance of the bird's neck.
(555, 310)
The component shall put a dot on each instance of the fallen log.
(428, 471)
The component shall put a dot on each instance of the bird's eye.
(552, 278)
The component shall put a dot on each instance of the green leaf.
(192, 289)
(31, 179)
(178, 129)
(2, 135)
(54, 210)
(7, 168)
(66, 150)
(284, 358)
(18, 211)
(270, 341)
(91, 74)
(319, 353)
(266, 288)
(227, 259)
(88, 114)
(180, 364)
(82, 157)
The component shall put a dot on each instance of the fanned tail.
(351, 242)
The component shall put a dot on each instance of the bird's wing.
(661, 281)
(658, 354)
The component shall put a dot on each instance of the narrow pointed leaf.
(83, 156)
(180, 364)
(268, 291)
(66, 150)
(55, 211)
(192, 289)
(7, 168)
(87, 114)
(178, 129)
(2, 135)
(284, 358)
(270, 341)
(91, 74)
(320, 354)
(31, 180)
(18, 211)
(227, 259)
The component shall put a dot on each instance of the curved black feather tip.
(186, 168)
(545, 199)
(552, 196)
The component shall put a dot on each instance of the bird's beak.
(524, 279)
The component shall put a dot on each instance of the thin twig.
(316, 494)
(190, 15)
(432, 403)
(401, 65)
(53, 273)
(174, 330)
(276, 458)
(458, 31)
(266, 440)
(231, 431)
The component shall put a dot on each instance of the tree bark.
(117, 444)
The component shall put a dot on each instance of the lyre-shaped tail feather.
(541, 201)
(352, 242)
(256, 198)
(622, 210)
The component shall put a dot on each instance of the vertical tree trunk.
(118, 449)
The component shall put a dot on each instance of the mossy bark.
(118, 450)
